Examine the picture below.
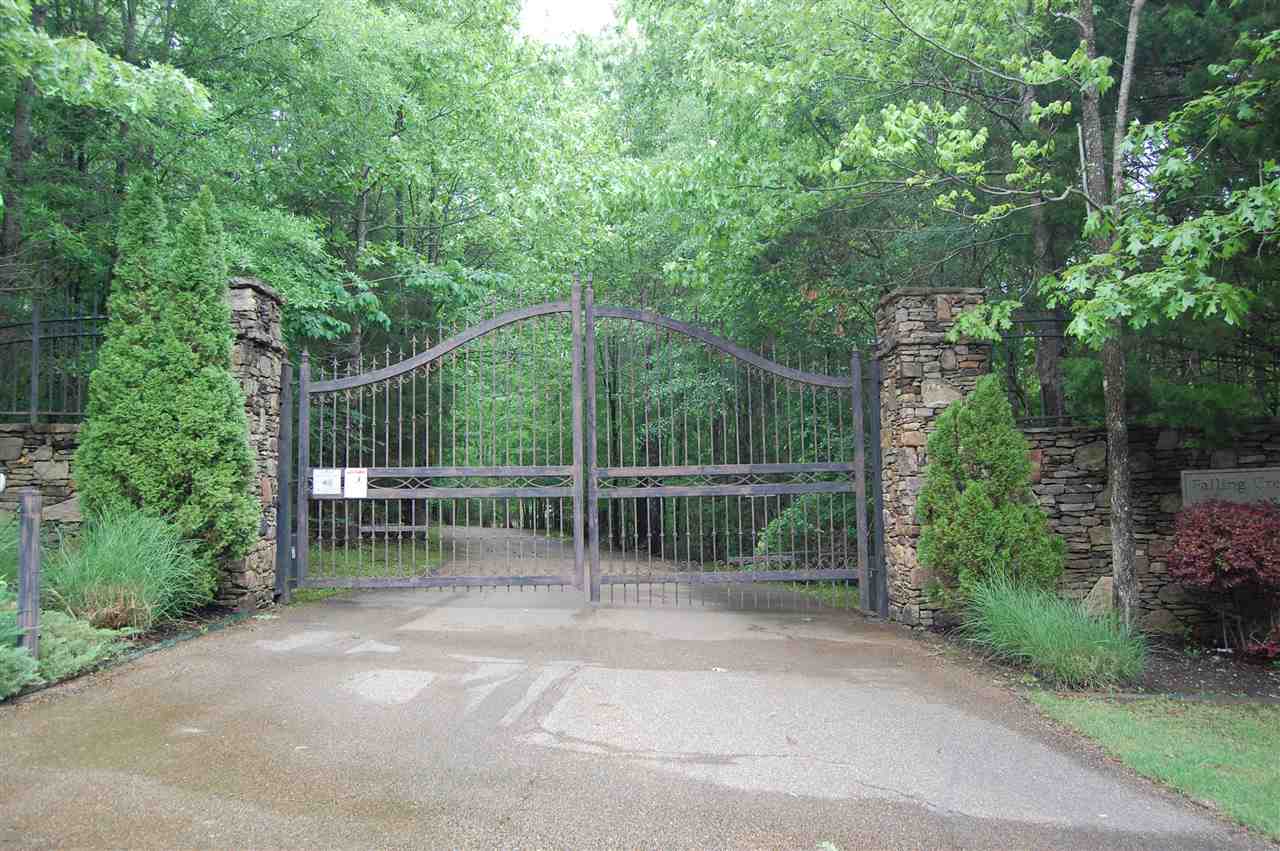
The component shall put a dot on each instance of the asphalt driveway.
(521, 719)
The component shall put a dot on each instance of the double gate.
(613, 450)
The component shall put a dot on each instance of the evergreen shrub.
(978, 515)
(166, 430)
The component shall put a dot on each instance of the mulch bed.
(194, 623)
(1174, 668)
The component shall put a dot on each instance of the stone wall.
(41, 455)
(921, 373)
(1069, 479)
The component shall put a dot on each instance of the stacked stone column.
(921, 373)
(256, 360)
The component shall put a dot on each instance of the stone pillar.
(256, 360)
(921, 373)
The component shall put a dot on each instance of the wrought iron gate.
(618, 451)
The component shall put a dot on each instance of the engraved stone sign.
(1259, 484)
(326, 481)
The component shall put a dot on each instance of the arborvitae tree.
(166, 429)
(978, 513)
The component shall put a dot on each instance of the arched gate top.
(511, 317)
(732, 349)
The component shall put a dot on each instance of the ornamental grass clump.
(1053, 636)
(978, 515)
(166, 431)
(128, 569)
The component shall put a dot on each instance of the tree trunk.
(19, 157)
(1123, 566)
(1101, 193)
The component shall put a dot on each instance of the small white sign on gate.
(355, 483)
(326, 481)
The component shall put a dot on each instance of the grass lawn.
(377, 558)
(1227, 754)
(837, 594)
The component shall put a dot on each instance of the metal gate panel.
(719, 471)
(457, 466)
(619, 451)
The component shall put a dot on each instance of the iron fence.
(1053, 380)
(45, 365)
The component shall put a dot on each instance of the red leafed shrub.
(1232, 551)
(1224, 546)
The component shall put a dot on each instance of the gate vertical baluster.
(777, 454)
(579, 550)
(400, 524)
(860, 482)
(332, 424)
(828, 397)
(304, 461)
(413, 459)
(751, 506)
(687, 566)
(318, 448)
(703, 356)
(284, 490)
(840, 450)
(495, 352)
(590, 424)
(34, 411)
(563, 458)
(346, 462)
(386, 462)
(880, 588)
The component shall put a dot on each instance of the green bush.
(128, 569)
(17, 668)
(1053, 636)
(166, 429)
(9, 550)
(69, 645)
(979, 517)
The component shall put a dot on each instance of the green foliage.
(69, 646)
(166, 429)
(128, 569)
(17, 670)
(1184, 243)
(1215, 409)
(976, 508)
(9, 530)
(1053, 636)
(77, 71)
